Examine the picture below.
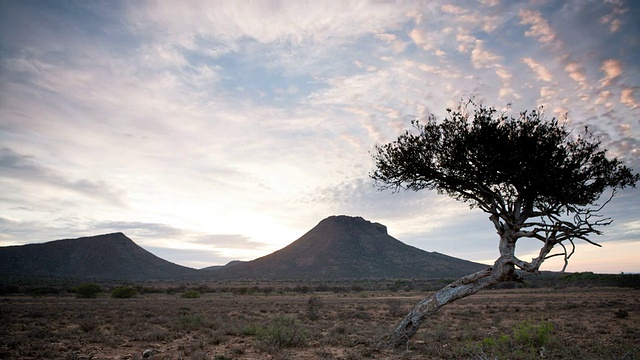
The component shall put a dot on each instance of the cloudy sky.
(220, 130)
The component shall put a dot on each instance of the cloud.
(26, 170)
(421, 39)
(465, 42)
(576, 73)
(397, 44)
(627, 97)
(482, 58)
(614, 24)
(613, 19)
(542, 73)
(268, 22)
(453, 9)
(539, 28)
(612, 68)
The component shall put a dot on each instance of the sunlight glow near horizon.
(210, 131)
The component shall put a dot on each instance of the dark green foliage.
(123, 292)
(190, 322)
(43, 290)
(89, 290)
(479, 156)
(192, 294)
(590, 279)
(283, 332)
(532, 336)
(528, 340)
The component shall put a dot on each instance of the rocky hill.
(103, 257)
(344, 247)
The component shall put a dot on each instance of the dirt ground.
(573, 323)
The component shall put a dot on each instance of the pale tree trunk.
(502, 270)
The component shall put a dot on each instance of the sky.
(211, 131)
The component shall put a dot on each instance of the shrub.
(532, 336)
(313, 308)
(251, 330)
(87, 291)
(123, 292)
(283, 332)
(528, 340)
(190, 294)
(44, 290)
(190, 322)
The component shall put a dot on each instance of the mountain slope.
(343, 247)
(110, 256)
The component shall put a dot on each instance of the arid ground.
(260, 322)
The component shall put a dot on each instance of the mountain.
(344, 247)
(103, 257)
(230, 263)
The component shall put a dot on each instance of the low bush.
(192, 294)
(313, 308)
(528, 340)
(123, 292)
(283, 332)
(532, 336)
(190, 322)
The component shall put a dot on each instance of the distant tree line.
(544, 280)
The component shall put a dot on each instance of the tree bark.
(502, 270)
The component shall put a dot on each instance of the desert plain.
(264, 320)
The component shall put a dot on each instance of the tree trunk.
(502, 270)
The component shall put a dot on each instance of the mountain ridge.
(346, 247)
(338, 247)
(110, 256)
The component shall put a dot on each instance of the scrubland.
(286, 321)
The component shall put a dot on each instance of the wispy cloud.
(26, 169)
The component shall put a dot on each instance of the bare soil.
(573, 323)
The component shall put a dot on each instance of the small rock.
(147, 354)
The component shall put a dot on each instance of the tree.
(533, 176)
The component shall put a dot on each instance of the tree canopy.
(490, 159)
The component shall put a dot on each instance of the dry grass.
(593, 323)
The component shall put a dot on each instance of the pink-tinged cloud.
(541, 72)
(465, 42)
(539, 27)
(604, 98)
(627, 98)
(611, 68)
(453, 9)
(482, 58)
(421, 39)
(575, 72)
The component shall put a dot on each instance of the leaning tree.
(534, 177)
